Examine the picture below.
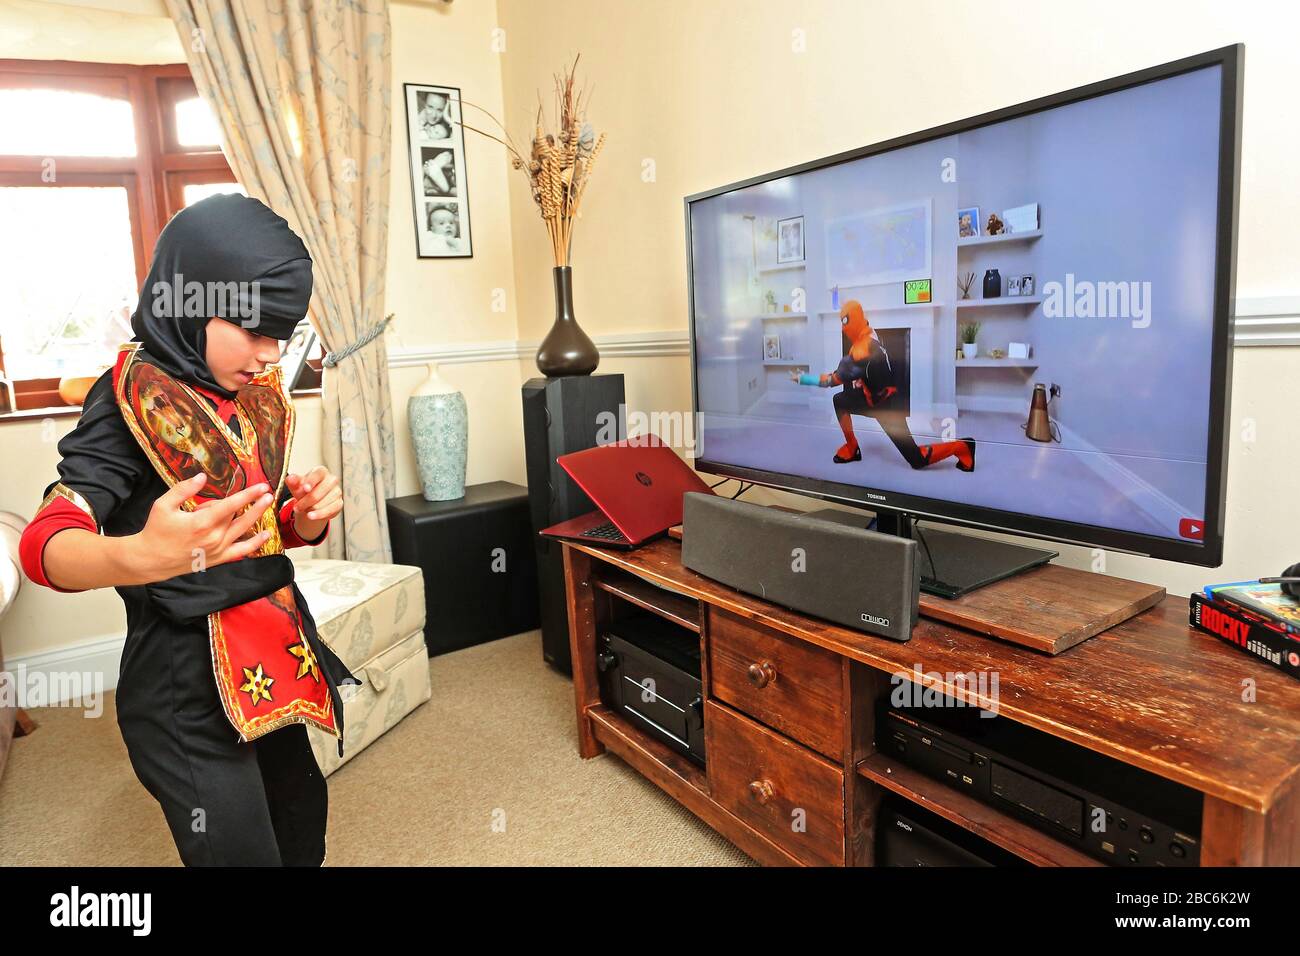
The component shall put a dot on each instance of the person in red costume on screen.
(868, 380)
(174, 489)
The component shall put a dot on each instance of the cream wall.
(121, 31)
(442, 305)
(711, 93)
(719, 91)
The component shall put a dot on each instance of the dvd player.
(1107, 809)
(910, 835)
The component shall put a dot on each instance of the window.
(95, 158)
(71, 288)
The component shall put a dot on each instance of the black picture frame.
(295, 352)
(802, 249)
(426, 203)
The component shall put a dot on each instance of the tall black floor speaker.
(562, 415)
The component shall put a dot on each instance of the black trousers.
(227, 803)
(892, 421)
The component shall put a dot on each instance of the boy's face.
(236, 354)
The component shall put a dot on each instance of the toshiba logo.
(876, 497)
(872, 619)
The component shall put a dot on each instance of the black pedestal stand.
(951, 564)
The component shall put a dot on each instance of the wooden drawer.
(787, 684)
(788, 793)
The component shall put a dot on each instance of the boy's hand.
(174, 541)
(318, 497)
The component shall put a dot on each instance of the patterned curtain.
(302, 92)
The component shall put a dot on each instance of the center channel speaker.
(851, 576)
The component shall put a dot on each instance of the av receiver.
(1107, 809)
(649, 672)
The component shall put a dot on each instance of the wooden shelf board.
(683, 780)
(1152, 691)
(662, 762)
(979, 818)
(673, 607)
(1050, 608)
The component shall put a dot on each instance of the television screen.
(1020, 321)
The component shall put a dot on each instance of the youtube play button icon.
(1192, 529)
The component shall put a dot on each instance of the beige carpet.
(485, 773)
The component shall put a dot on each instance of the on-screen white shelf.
(1029, 236)
(890, 308)
(985, 361)
(1029, 300)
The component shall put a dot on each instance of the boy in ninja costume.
(868, 380)
(165, 493)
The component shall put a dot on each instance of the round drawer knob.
(761, 790)
(761, 674)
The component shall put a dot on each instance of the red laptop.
(637, 485)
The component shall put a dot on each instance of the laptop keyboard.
(606, 531)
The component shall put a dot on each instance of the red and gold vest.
(267, 675)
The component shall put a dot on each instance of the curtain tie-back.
(369, 335)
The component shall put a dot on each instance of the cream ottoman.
(371, 616)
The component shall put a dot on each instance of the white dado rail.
(1258, 320)
(642, 344)
(1267, 320)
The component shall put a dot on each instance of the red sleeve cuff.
(289, 534)
(59, 515)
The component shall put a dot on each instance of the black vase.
(566, 350)
(992, 284)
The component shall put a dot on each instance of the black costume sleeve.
(848, 370)
(101, 460)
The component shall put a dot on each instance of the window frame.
(154, 178)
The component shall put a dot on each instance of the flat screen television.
(1084, 246)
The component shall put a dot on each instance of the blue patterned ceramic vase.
(439, 423)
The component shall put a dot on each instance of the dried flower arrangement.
(964, 282)
(559, 164)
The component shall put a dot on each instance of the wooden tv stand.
(789, 722)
